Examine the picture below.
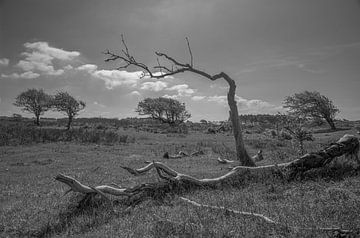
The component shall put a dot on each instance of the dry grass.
(31, 202)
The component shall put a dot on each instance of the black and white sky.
(272, 48)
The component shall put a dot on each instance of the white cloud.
(25, 75)
(4, 62)
(45, 49)
(197, 98)
(171, 96)
(182, 90)
(248, 106)
(88, 68)
(218, 99)
(135, 93)
(68, 67)
(116, 78)
(154, 86)
(40, 57)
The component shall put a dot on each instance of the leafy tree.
(67, 104)
(34, 101)
(312, 105)
(166, 110)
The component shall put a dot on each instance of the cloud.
(116, 78)
(112, 78)
(182, 90)
(4, 62)
(171, 96)
(197, 98)
(25, 75)
(248, 106)
(135, 93)
(154, 86)
(68, 67)
(55, 53)
(39, 58)
(90, 68)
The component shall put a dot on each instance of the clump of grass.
(224, 151)
(264, 143)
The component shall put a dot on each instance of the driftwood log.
(172, 181)
(182, 154)
(348, 145)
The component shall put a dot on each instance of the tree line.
(37, 102)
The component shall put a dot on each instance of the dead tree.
(348, 145)
(179, 67)
(173, 181)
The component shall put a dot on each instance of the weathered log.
(224, 161)
(348, 145)
(182, 154)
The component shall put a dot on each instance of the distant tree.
(203, 121)
(34, 101)
(295, 126)
(68, 105)
(312, 105)
(166, 110)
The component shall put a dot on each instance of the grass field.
(31, 202)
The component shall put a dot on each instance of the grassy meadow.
(32, 202)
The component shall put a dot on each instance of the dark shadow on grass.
(96, 211)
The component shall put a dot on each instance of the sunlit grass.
(31, 202)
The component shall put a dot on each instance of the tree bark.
(330, 121)
(37, 120)
(241, 153)
(69, 123)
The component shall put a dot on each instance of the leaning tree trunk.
(69, 123)
(330, 121)
(37, 119)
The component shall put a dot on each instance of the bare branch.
(191, 56)
(267, 219)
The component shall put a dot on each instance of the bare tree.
(177, 67)
(64, 102)
(35, 101)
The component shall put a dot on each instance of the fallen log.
(182, 154)
(348, 145)
(172, 181)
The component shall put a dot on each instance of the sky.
(272, 49)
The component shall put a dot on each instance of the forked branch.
(180, 67)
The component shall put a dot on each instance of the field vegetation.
(93, 151)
